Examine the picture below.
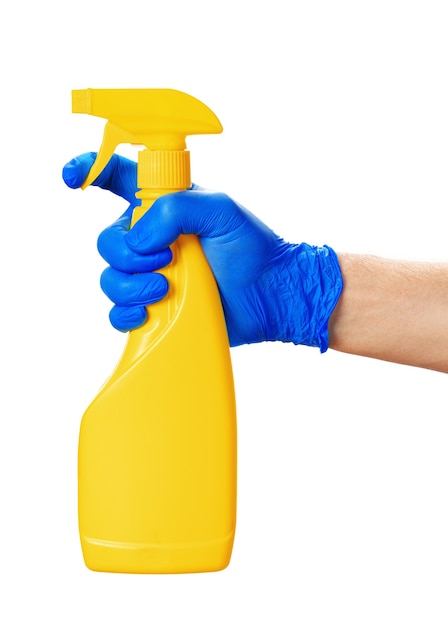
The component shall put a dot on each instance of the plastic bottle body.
(157, 448)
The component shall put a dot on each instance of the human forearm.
(393, 310)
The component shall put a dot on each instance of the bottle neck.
(160, 172)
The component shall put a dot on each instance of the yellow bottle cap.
(163, 169)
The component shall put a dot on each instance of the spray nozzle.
(159, 119)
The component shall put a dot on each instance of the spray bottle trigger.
(113, 136)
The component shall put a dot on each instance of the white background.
(335, 120)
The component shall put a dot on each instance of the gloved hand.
(271, 290)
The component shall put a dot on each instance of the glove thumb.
(186, 212)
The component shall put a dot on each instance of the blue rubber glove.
(271, 290)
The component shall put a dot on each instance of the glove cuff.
(308, 284)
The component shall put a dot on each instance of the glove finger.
(75, 171)
(114, 250)
(119, 176)
(128, 290)
(127, 318)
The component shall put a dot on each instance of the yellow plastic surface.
(157, 447)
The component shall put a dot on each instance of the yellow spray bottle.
(157, 447)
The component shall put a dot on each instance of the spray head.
(159, 119)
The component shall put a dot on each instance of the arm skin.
(392, 310)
